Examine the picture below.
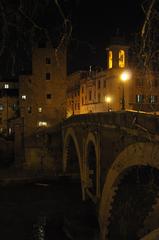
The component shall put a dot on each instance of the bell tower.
(117, 54)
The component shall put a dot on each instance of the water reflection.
(35, 212)
(39, 228)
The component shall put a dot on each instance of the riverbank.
(18, 176)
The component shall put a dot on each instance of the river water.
(46, 211)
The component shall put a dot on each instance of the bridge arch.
(92, 165)
(138, 154)
(70, 138)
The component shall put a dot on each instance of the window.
(110, 59)
(48, 96)
(14, 107)
(104, 83)
(6, 85)
(39, 109)
(98, 83)
(42, 124)
(98, 97)
(94, 94)
(155, 82)
(0, 120)
(29, 109)
(82, 101)
(48, 76)
(90, 95)
(82, 89)
(1, 107)
(139, 98)
(121, 58)
(48, 60)
(153, 99)
(10, 131)
(78, 106)
(139, 82)
(24, 97)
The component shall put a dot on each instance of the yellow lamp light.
(125, 75)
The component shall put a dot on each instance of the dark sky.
(95, 22)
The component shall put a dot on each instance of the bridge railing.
(128, 119)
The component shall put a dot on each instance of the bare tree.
(23, 23)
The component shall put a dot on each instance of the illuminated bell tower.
(117, 54)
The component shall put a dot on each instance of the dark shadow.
(136, 193)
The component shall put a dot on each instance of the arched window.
(110, 60)
(121, 58)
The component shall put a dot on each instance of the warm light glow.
(126, 75)
(121, 58)
(110, 60)
(6, 85)
(24, 97)
(42, 124)
(107, 99)
(39, 109)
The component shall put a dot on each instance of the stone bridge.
(116, 155)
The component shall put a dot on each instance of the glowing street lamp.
(108, 100)
(124, 77)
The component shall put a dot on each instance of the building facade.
(42, 95)
(9, 93)
(98, 91)
(115, 88)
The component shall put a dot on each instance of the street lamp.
(108, 100)
(124, 77)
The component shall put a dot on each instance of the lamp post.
(108, 100)
(124, 77)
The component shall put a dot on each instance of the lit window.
(1, 107)
(39, 109)
(110, 59)
(14, 107)
(24, 97)
(48, 60)
(121, 58)
(6, 85)
(10, 131)
(153, 99)
(139, 98)
(42, 124)
(48, 76)
(29, 109)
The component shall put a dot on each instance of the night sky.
(93, 24)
